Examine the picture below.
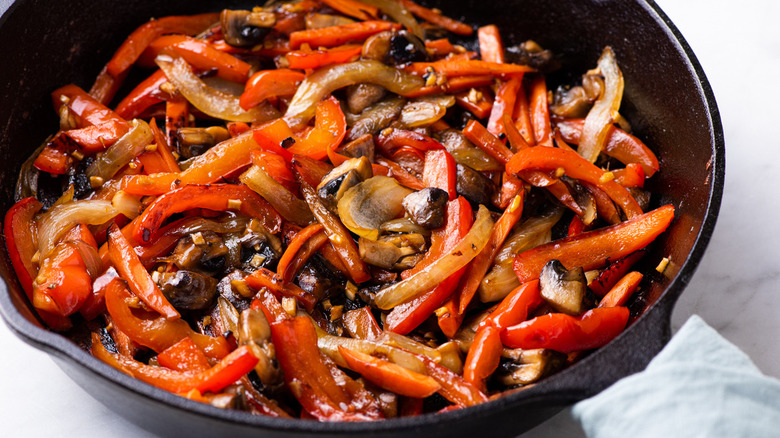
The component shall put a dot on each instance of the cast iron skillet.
(667, 99)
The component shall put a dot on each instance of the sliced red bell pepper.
(540, 112)
(631, 176)
(407, 316)
(329, 130)
(309, 377)
(515, 307)
(286, 268)
(276, 167)
(453, 387)
(390, 140)
(619, 145)
(55, 156)
(440, 171)
(263, 278)
(455, 84)
(338, 235)
(490, 45)
(106, 86)
(389, 376)
(354, 8)
(272, 135)
(135, 44)
(482, 138)
(605, 208)
(453, 68)
(177, 116)
(98, 126)
(237, 128)
(230, 369)
(272, 309)
(522, 115)
(483, 356)
(576, 226)
(184, 356)
(567, 334)
(266, 84)
(579, 168)
(622, 291)
(516, 139)
(403, 176)
(152, 330)
(167, 162)
(503, 105)
(143, 96)
(435, 17)
(510, 187)
(593, 249)
(441, 47)
(477, 269)
(217, 197)
(200, 54)
(337, 35)
(306, 59)
(481, 107)
(610, 275)
(130, 268)
(310, 170)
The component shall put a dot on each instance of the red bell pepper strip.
(458, 83)
(263, 278)
(622, 291)
(177, 116)
(390, 140)
(522, 116)
(98, 126)
(329, 130)
(106, 86)
(440, 171)
(404, 177)
(593, 249)
(567, 334)
(482, 138)
(490, 45)
(353, 8)
(441, 47)
(135, 44)
(515, 307)
(143, 96)
(294, 248)
(511, 186)
(200, 54)
(154, 184)
(184, 356)
(477, 269)
(390, 376)
(453, 68)
(619, 145)
(503, 105)
(516, 139)
(554, 158)
(55, 156)
(270, 83)
(276, 167)
(631, 176)
(605, 208)
(447, 315)
(576, 226)
(237, 128)
(272, 309)
(230, 369)
(309, 377)
(130, 268)
(338, 235)
(306, 59)
(272, 135)
(152, 330)
(407, 316)
(616, 270)
(98, 137)
(217, 197)
(453, 387)
(435, 17)
(337, 35)
(482, 107)
(168, 161)
(310, 170)
(540, 112)
(483, 356)
(95, 304)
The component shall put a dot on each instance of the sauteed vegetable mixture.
(338, 210)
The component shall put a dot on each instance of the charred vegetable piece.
(530, 365)
(427, 207)
(246, 28)
(566, 290)
(187, 290)
(406, 47)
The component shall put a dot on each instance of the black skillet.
(667, 99)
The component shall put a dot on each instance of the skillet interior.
(667, 99)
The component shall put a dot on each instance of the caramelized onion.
(61, 218)
(604, 111)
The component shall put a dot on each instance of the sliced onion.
(404, 225)
(395, 10)
(329, 78)
(89, 254)
(498, 283)
(211, 101)
(426, 279)
(329, 346)
(58, 220)
(288, 205)
(124, 150)
(127, 204)
(533, 232)
(425, 110)
(604, 111)
(366, 206)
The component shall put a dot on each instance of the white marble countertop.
(738, 44)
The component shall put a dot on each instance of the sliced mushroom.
(529, 366)
(195, 141)
(336, 183)
(571, 102)
(187, 290)
(362, 96)
(464, 152)
(366, 206)
(425, 110)
(254, 331)
(427, 207)
(360, 147)
(200, 251)
(318, 279)
(382, 254)
(584, 199)
(406, 47)
(474, 186)
(377, 46)
(531, 54)
(565, 290)
(246, 28)
(376, 117)
(404, 225)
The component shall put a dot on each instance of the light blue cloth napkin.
(699, 385)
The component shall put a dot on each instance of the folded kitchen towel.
(699, 385)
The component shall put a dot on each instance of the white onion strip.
(604, 111)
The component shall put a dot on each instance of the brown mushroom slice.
(188, 290)
(362, 96)
(254, 331)
(571, 102)
(425, 111)
(464, 152)
(195, 141)
(376, 117)
(564, 289)
(336, 183)
(367, 205)
(528, 366)
(359, 147)
(403, 225)
(427, 207)
(474, 186)
(381, 254)
(243, 28)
